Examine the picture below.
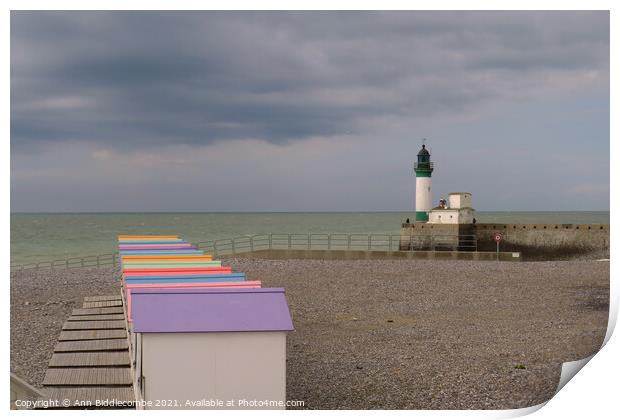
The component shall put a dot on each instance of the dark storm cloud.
(129, 79)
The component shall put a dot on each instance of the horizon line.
(292, 211)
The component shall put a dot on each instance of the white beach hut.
(211, 348)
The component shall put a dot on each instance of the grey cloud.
(202, 77)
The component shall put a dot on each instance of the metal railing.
(338, 241)
(293, 241)
(423, 165)
(74, 262)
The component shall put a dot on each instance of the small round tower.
(423, 198)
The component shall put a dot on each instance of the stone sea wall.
(534, 241)
(545, 240)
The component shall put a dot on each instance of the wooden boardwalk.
(91, 360)
(92, 345)
(101, 298)
(97, 317)
(93, 325)
(98, 311)
(103, 304)
(91, 335)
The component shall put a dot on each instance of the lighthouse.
(423, 199)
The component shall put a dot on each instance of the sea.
(37, 237)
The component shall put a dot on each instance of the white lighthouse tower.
(423, 198)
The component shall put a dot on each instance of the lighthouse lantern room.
(423, 197)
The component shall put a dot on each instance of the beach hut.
(184, 281)
(129, 288)
(158, 260)
(188, 270)
(211, 345)
(184, 278)
(174, 264)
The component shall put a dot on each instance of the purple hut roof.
(210, 310)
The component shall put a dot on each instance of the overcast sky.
(307, 111)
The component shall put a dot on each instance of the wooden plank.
(90, 359)
(101, 298)
(105, 304)
(87, 376)
(97, 311)
(88, 396)
(91, 335)
(96, 317)
(93, 325)
(92, 345)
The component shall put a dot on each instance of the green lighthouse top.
(423, 167)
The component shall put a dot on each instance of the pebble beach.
(384, 334)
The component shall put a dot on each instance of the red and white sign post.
(497, 237)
